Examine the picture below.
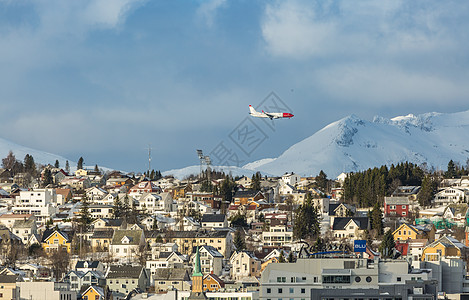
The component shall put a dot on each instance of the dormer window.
(126, 240)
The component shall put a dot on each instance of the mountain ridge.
(352, 144)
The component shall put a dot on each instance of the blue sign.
(359, 246)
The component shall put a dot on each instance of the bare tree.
(60, 263)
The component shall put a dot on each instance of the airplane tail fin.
(252, 110)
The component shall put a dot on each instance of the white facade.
(291, 178)
(450, 195)
(278, 235)
(40, 202)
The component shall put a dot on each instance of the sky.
(107, 79)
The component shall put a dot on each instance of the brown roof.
(16, 216)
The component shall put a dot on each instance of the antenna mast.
(149, 159)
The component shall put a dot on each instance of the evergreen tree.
(290, 257)
(321, 181)
(387, 245)
(96, 168)
(57, 164)
(67, 167)
(451, 170)
(47, 177)
(84, 216)
(118, 208)
(256, 181)
(29, 165)
(427, 191)
(376, 219)
(227, 187)
(238, 241)
(306, 223)
(80, 163)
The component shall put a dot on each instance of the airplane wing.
(271, 116)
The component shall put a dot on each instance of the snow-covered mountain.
(194, 170)
(39, 156)
(353, 144)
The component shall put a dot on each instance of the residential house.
(9, 219)
(214, 221)
(350, 227)
(101, 211)
(85, 266)
(187, 224)
(220, 239)
(94, 292)
(211, 261)
(445, 246)
(126, 243)
(77, 183)
(212, 283)
(54, 240)
(411, 192)
(278, 235)
(244, 264)
(107, 223)
(144, 187)
(247, 196)
(244, 181)
(79, 279)
(95, 193)
(63, 196)
(156, 203)
(169, 279)
(121, 280)
(24, 229)
(456, 213)
(450, 195)
(413, 232)
(101, 240)
(396, 207)
(181, 191)
(291, 178)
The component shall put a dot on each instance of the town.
(397, 232)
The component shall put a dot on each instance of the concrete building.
(41, 202)
(340, 278)
(46, 290)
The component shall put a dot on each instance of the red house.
(396, 206)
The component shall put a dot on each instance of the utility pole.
(149, 159)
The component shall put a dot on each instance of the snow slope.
(194, 170)
(39, 156)
(353, 144)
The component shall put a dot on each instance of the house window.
(269, 290)
(403, 213)
(292, 290)
(303, 291)
(280, 290)
(399, 278)
(403, 206)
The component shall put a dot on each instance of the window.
(358, 279)
(404, 213)
(399, 278)
(269, 290)
(280, 290)
(368, 279)
(281, 279)
(303, 291)
(292, 290)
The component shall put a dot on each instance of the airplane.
(264, 114)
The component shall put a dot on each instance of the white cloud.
(208, 9)
(293, 30)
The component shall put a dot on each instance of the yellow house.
(93, 293)
(443, 247)
(412, 232)
(81, 172)
(55, 240)
(272, 260)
